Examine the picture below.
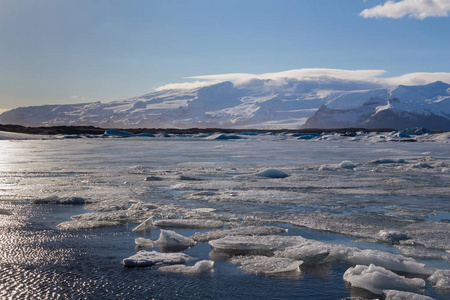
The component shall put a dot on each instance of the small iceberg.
(376, 279)
(148, 258)
(189, 223)
(263, 265)
(200, 267)
(246, 230)
(272, 173)
(171, 241)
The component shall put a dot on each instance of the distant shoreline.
(54, 130)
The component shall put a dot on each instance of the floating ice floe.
(376, 279)
(60, 200)
(255, 244)
(392, 236)
(188, 223)
(272, 173)
(85, 225)
(238, 231)
(440, 280)
(400, 295)
(170, 240)
(263, 265)
(148, 258)
(144, 243)
(203, 266)
(310, 252)
(387, 260)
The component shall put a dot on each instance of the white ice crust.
(149, 258)
(376, 279)
(203, 266)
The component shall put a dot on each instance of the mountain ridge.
(258, 104)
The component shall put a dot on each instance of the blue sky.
(70, 51)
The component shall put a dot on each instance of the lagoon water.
(319, 200)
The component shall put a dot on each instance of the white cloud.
(419, 9)
(187, 85)
(314, 75)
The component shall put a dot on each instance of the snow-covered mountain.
(258, 103)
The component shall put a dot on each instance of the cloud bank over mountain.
(419, 9)
(324, 98)
(313, 75)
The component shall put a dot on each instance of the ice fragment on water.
(387, 260)
(149, 258)
(310, 252)
(376, 279)
(144, 226)
(200, 267)
(441, 280)
(272, 173)
(84, 225)
(144, 243)
(346, 164)
(255, 244)
(392, 236)
(245, 230)
(263, 265)
(170, 240)
(189, 223)
(400, 295)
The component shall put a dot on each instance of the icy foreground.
(349, 201)
(270, 104)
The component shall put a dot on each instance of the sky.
(74, 51)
